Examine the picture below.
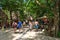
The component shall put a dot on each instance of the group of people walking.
(32, 24)
(17, 25)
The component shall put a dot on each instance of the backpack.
(19, 24)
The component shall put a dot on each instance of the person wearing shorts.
(14, 24)
(19, 25)
(36, 26)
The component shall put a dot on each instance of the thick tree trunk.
(51, 22)
(56, 18)
(59, 14)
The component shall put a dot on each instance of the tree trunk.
(56, 18)
(10, 18)
(18, 15)
(59, 14)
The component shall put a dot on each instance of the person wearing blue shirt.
(36, 25)
(19, 26)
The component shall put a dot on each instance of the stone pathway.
(26, 35)
(31, 35)
(5, 35)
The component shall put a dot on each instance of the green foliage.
(11, 4)
(45, 7)
(36, 8)
(22, 16)
(58, 34)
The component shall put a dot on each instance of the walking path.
(26, 35)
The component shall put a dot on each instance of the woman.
(14, 24)
(30, 25)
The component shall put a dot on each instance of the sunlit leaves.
(40, 7)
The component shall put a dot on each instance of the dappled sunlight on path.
(26, 35)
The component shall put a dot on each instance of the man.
(19, 25)
(36, 26)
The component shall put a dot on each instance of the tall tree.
(56, 17)
(59, 14)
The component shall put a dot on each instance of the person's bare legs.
(19, 29)
(14, 29)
